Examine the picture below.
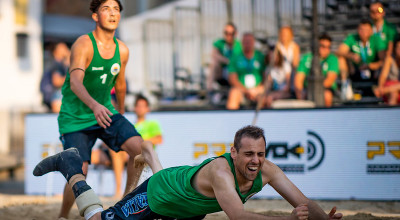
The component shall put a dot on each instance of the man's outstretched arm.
(279, 181)
(223, 184)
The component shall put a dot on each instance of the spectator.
(53, 79)
(389, 80)
(384, 30)
(288, 48)
(365, 52)
(329, 69)
(278, 79)
(222, 51)
(246, 73)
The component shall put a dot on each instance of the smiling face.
(249, 159)
(108, 15)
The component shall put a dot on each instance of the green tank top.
(176, 197)
(99, 79)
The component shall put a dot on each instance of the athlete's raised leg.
(69, 163)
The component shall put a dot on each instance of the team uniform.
(169, 193)
(249, 71)
(328, 65)
(225, 50)
(387, 34)
(368, 53)
(77, 124)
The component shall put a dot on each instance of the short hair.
(141, 97)
(95, 4)
(230, 23)
(245, 34)
(249, 131)
(365, 21)
(377, 2)
(325, 36)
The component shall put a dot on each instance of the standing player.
(98, 62)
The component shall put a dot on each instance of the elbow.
(74, 85)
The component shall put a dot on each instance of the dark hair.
(95, 4)
(325, 36)
(141, 97)
(250, 132)
(278, 58)
(365, 21)
(232, 25)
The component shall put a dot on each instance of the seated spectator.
(384, 30)
(278, 80)
(389, 80)
(366, 53)
(329, 70)
(246, 71)
(53, 78)
(222, 51)
(289, 49)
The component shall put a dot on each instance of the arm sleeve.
(232, 67)
(349, 41)
(334, 65)
(303, 66)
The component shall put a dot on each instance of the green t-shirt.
(227, 51)
(249, 71)
(148, 129)
(369, 53)
(99, 79)
(329, 64)
(170, 191)
(387, 34)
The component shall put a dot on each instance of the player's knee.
(146, 146)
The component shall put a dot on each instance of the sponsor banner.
(327, 153)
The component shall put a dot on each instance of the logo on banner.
(388, 151)
(314, 152)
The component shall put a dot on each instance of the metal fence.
(177, 51)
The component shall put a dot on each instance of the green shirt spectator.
(148, 129)
(249, 71)
(330, 64)
(222, 46)
(387, 34)
(369, 53)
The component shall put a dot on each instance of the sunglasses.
(379, 11)
(227, 33)
(325, 46)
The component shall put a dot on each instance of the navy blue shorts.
(133, 206)
(114, 136)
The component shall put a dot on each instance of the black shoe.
(68, 162)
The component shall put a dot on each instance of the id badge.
(249, 81)
(365, 74)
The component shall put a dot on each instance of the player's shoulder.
(123, 49)
(83, 40)
(220, 167)
(82, 43)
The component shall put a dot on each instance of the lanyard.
(249, 65)
(364, 51)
